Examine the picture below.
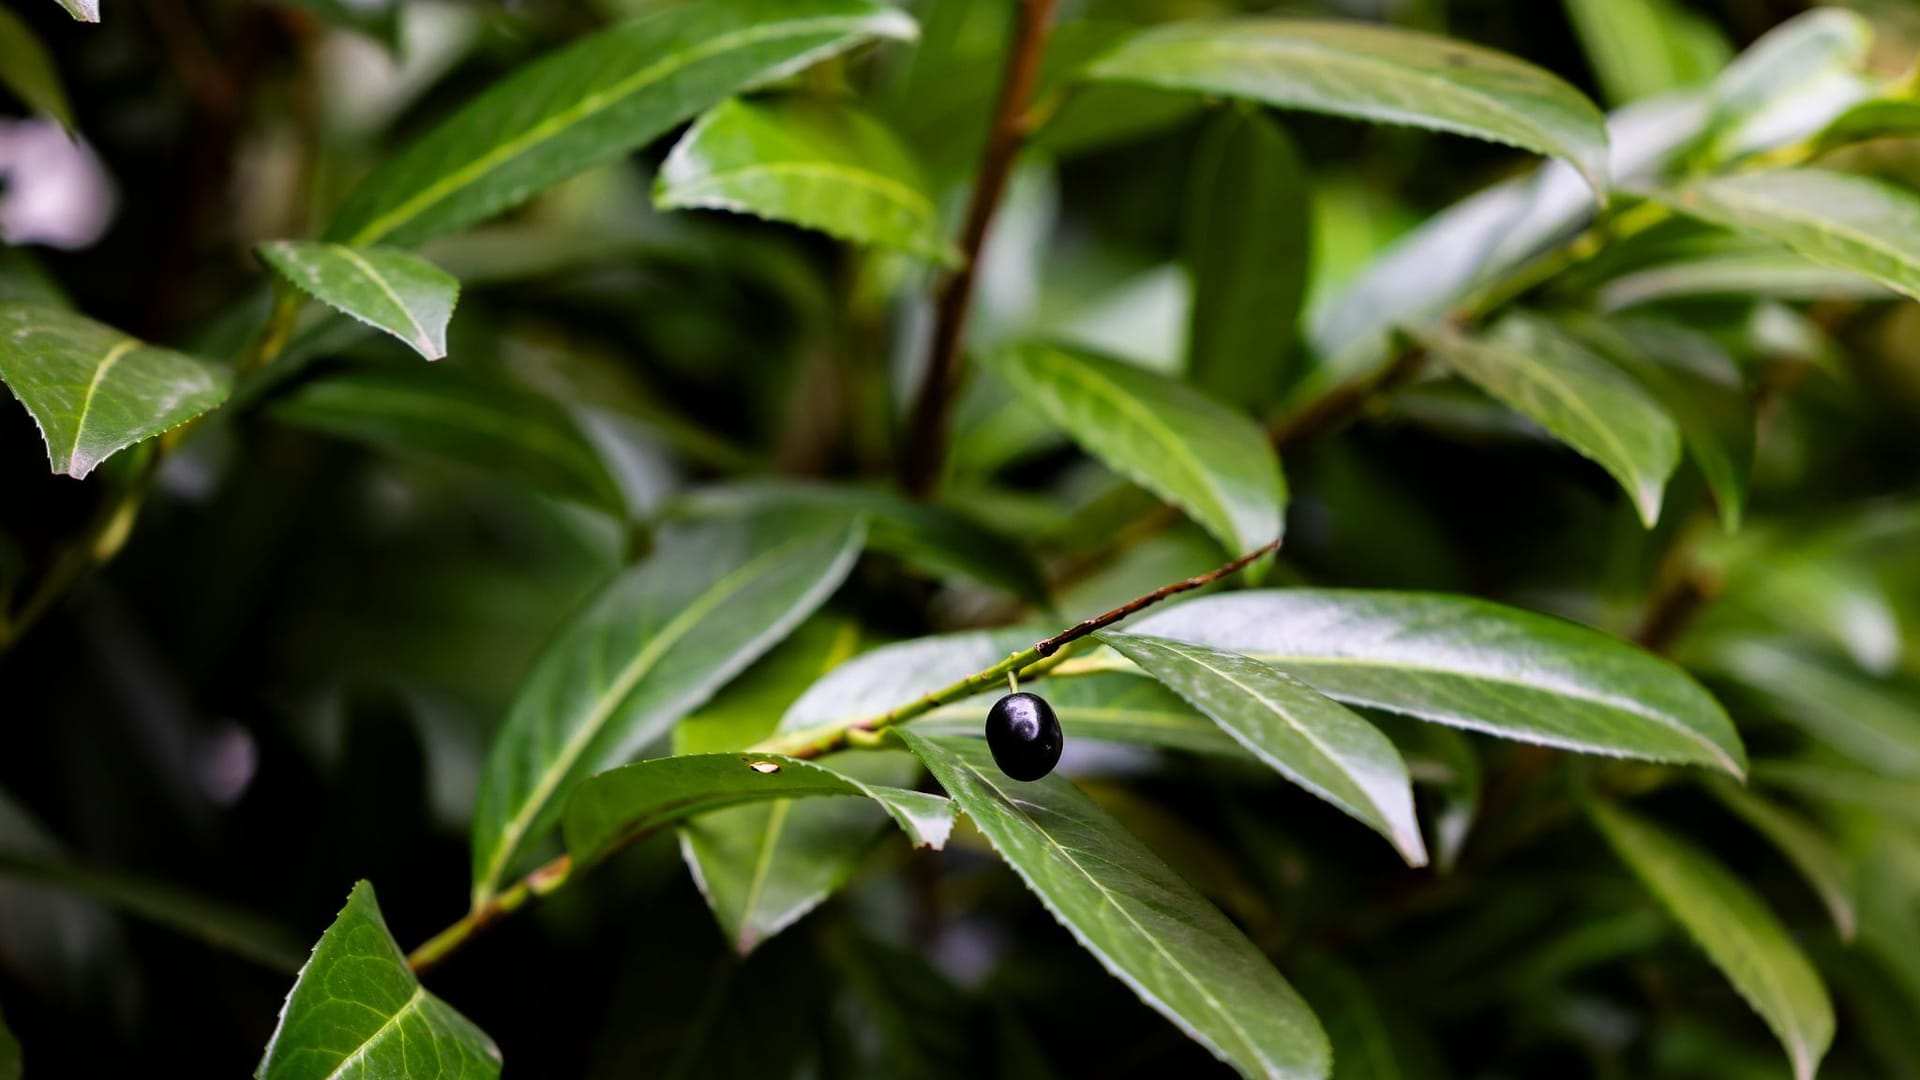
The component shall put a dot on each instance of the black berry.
(1024, 736)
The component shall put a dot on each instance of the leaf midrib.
(422, 340)
(107, 362)
(1740, 199)
(411, 1004)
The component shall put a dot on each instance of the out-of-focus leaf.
(377, 19)
(1211, 462)
(1882, 118)
(1764, 271)
(1700, 388)
(395, 291)
(1576, 396)
(95, 391)
(1810, 588)
(1639, 48)
(1363, 1046)
(357, 1010)
(1842, 786)
(1789, 84)
(1138, 918)
(1370, 72)
(456, 414)
(1735, 928)
(595, 101)
(1819, 862)
(1108, 706)
(82, 10)
(938, 539)
(1246, 246)
(1876, 723)
(1469, 663)
(894, 675)
(655, 644)
(1853, 223)
(9, 1052)
(1311, 740)
(24, 278)
(816, 164)
(1441, 760)
(29, 70)
(634, 800)
(201, 918)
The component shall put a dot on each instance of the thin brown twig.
(926, 442)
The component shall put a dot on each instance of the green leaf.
(1443, 761)
(1843, 786)
(621, 804)
(395, 291)
(1744, 273)
(1881, 118)
(473, 418)
(1700, 388)
(1471, 664)
(1855, 223)
(1363, 1045)
(1639, 48)
(29, 71)
(200, 918)
(1576, 396)
(1110, 707)
(1144, 924)
(377, 19)
(95, 391)
(1314, 742)
(1735, 928)
(817, 164)
(9, 1052)
(1209, 461)
(655, 644)
(357, 1010)
(596, 101)
(1369, 72)
(940, 540)
(1789, 84)
(893, 675)
(1875, 723)
(1810, 852)
(1245, 242)
(82, 10)
(749, 709)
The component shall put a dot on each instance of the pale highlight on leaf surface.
(1145, 925)
(95, 391)
(395, 291)
(83, 10)
(357, 1011)
(1370, 72)
(593, 102)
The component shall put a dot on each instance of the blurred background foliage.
(288, 679)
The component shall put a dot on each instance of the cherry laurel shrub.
(959, 537)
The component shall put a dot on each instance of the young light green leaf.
(82, 10)
(1370, 72)
(29, 70)
(1881, 118)
(1311, 740)
(937, 539)
(471, 417)
(1576, 396)
(618, 805)
(1209, 461)
(1471, 664)
(95, 391)
(1810, 852)
(1639, 48)
(594, 102)
(395, 291)
(655, 644)
(1855, 223)
(1246, 245)
(1134, 914)
(813, 163)
(358, 1011)
(1735, 928)
(1789, 84)
(1700, 387)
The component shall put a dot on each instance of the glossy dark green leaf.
(200, 918)
(1855, 223)
(1144, 924)
(638, 799)
(357, 1011)
(1209, 461)
(395, 291)
(1576, 396)
(1441, 760)
(1471, 664)
(1110, 707)
(1315, 742)
(1701, 389)
(1739, 934)
(1820, 863)
(938, 539)
(1370, 72)
(29, 71)
(95, 391)
(473, 418)
(593, 102)
(1245, 243)
(655, 644)
(817, 164)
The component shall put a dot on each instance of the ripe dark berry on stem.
(1024, 735)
